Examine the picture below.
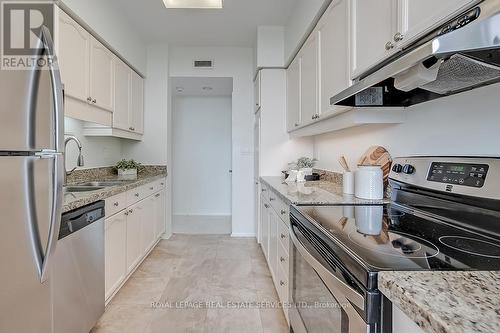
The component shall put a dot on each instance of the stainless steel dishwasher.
(78, 270)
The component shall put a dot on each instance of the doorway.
(201, 155)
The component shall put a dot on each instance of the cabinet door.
(134, 236)
(293, 94)
(73, 55)
(264, 217)
(115, 252)
(137, 104)
(123, 75)
(101, 75)
(309, 80)
(273, 243)
(416, 18)
(374, 24)
(333, 31)
(256, 91)
(160, 214)
(148, 223)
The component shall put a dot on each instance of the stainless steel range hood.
(461, 55)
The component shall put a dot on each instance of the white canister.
(348, 183)
(369, 183)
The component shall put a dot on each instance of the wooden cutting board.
(377, 155)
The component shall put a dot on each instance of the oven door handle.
(337, 287)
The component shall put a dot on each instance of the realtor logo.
(22, 44)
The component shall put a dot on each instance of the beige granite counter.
(446, 302)
(314, 193)
(73, 200)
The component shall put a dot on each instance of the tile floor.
(188, 270)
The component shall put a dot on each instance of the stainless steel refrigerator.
(31, 180)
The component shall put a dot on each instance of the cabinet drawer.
(136, 194)
(116, 203)
(283, 259)
(282, 285)
(284, 235)
(275, 201)
(284, 212)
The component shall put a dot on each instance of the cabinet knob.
(151, 188)
(282, 283)
(94, 101)
(89, 99)
(115, 204)
(137, 194)
(130, 211)
(283, 236)
(157, 195)
(272, 199)
(282, 259)
(389, 45)
(266, 205)
(126, 213)
(283, 212)
(398, 37)
(263, 190)
(296, 125)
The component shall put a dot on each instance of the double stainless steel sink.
(94, 186)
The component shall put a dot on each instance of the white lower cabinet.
(275, 223)
(115, 252)
(137, 223)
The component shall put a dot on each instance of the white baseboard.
(202, 224)
(243, 235)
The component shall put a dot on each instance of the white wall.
(201, 155)
(236, 63)
(111, 25)
(97, 151)
(299, 23)
(270, 46)
(463, 124)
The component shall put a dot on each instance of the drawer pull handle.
(283, 236)
(266, 205)
(282, 283)
(115, 204)
(283, 212)
(157, 195)
(282, 259)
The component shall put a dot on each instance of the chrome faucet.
(79, 161)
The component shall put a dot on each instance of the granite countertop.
(446, 302)
(73, 200)
(315, 193)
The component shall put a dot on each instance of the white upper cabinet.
(419, 16)
(256, 92)
(333, 34)
(309, 80)
(136, 114)
(74, 55)
(101, 75)
(374, 24)
(293, 94)
(123, 78)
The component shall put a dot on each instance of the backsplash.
(85, 175)
(329, 176)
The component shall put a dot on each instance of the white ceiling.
(193, 86)
(234, 25)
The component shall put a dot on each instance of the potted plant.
(127, 169)
(305, 164)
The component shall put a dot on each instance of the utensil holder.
(348, 183)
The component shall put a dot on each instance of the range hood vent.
(207, 64)
(446, 62)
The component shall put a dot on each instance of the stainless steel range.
(444, 214)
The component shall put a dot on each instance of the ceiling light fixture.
(193, 4)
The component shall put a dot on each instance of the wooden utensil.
(343, 163)
(378, 155)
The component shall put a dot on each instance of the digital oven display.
(472, 175)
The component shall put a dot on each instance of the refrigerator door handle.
(55, 212)
(57, 87)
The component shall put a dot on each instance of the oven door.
(321, 299)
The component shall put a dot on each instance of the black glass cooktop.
(368, 239)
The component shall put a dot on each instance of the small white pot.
(127, 173)
(369, 182)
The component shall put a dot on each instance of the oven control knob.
(397, 168)
(408, 169)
